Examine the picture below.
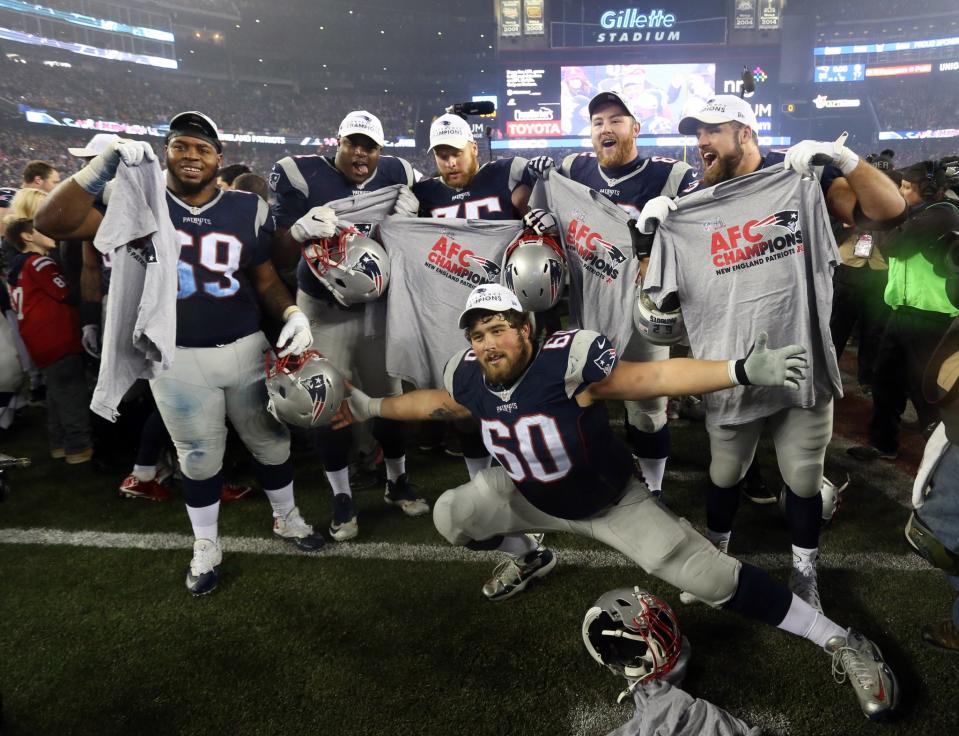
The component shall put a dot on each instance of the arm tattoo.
(443, 413)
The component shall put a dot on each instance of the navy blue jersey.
(633, 185)
(216, 303)
(564, 458)
(488, 197)
(829, 173)
(301, 183)
(6, 195)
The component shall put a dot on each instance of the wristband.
(737, 372)
(847, 161)
(292, 309)
(376, 407)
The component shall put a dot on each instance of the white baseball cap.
(605, 97)
(95, 146)
(491, 297)
(450, 130)
(720, 109)
(363, 123)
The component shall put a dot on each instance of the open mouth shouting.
(710, 157)
(361, 167)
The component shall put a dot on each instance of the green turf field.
(390, 634)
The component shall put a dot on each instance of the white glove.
(539, 165)
(803, 156)
(91, 340)
(362, 407)
(407, 205)
(781, 367)
(318, 223)
(95, 175)
(654, 214)
(295, 335)
(539, 221)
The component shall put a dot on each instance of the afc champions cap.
(492, 298)
(196, 125)
(361, 122)
(604, 98)
(720, 109)
(450, 130)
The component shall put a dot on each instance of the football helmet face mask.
(353, 267)
(303, 390)
(535, 270)
(658, 326)
(634, 634)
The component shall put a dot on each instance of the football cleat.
(857, 659)
(203, 576)
(513, 575)
(942, 635)
(151, 490)
(688, 598)
(297, 532)
(344, 525)
(234, 492)
(805, 585)
(400, 493)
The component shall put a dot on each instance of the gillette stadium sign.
(682, 22)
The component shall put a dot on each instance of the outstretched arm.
(423, 404)
(782, 367)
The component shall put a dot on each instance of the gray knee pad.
(646, 416)
(450, 512)
(804, 480)
(201, 461)
(727, 471)
(707, 573)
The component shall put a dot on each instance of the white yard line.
(419, 552)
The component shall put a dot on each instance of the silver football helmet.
(353, 267)
(831, 499)
(535, 270)
(634, 634)
(303, 390)
(659, 326)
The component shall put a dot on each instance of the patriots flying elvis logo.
(758, 240)
(317, 389)
(367, 265)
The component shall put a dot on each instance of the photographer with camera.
(921, 310)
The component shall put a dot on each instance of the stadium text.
(632, 18)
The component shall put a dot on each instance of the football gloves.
(779, 367)
(805, 155)
(91, 340)
(362, 407)
(539, 221)
(318, 223)
(295, 337)
(654, 214)
(539, 165)
(407, 205)
(94, 176)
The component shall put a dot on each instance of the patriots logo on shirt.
(614, 253)
(788, 219)
(370, 267)
(317, 389)
(606, 359)
(489, 268)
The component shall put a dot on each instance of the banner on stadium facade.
(533, 22)
(617, 23)
(745, 17)
(770, 15)
(509, 18)
(153, 130)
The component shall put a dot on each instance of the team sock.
(805, 621)
(517, 545)
(339, 481)
(475, 464)
(204, 521)
(395, 467)
(653, 470)
(281, 500)
(145, 473)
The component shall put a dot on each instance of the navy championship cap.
(197, 125)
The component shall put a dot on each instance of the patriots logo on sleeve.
(606, 359)
(274, 180)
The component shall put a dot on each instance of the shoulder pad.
(452, 364)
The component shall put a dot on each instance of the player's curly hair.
(514, 319)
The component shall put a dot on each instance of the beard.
(507, 371)
(725, 167)
(190, 188)
(470, 172)
(619, 155)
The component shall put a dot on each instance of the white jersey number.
(530, 465)
(219, 253)
(471, 210)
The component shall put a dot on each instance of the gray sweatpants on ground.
(68, 404)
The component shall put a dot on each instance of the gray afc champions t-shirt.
(753, 254)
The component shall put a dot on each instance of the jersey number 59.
(218, 253)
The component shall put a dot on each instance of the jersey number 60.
(522, 432)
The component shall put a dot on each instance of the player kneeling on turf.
(542, 414)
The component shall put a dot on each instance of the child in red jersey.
(50, 329)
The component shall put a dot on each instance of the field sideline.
(390, 633)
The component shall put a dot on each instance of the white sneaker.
(344, 525)
(688, 598)
(297, 532)
(202, 577)
(803, 582)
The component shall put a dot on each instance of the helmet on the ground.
(659, 326)
(303, 390)
(831, 498)
(634, 634)
(535, 270)
(353, 267)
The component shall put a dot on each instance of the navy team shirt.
(632, 185)
(564, 458)
(488, 197)
(829, 173)
(301, 183)
(216, 303)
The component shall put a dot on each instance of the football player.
(225, 274)
(563, 468)
(616, 170)
(496, 190)
(854, 192)
(303, 185)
